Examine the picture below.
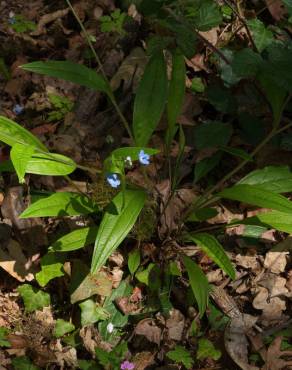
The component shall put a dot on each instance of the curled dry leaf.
(276, 261)
(148, 329)
(248, 262)
(48, 18)
(142, 360)
(274, 360)
(275, 285)
(272, 307)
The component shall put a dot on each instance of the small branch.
(111, 96)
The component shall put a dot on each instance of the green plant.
(61, 104)
(113, 22)
(268, 63)
(21, 25)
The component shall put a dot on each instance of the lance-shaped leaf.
(117, 221)
(60, 204)
(257, 196)
(69, 71)
(75, 240)
(176, 92)
(12, 133)
(150, 99)
(51, 164)
(20, 156)
(199, 284)
(210, 245)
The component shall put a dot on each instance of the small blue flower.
(18, 109)
(113, 180)
(12, 20)
(144, 158)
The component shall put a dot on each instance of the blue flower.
(12, 20)
(113, 180)
(18, 109)
(144, 158)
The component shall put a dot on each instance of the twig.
(111, 95)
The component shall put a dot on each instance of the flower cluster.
(18, 109)
(127, 365)
(113, 178)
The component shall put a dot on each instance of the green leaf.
(176, 92)
(221, 98)
(206, 165)
(180, 355)
(20, 156)
(63, 327)
(60, 204)
(246, 63)
(257, 196)
(210, 245)
(91, 312)
(33, 298)
(23, 363)
(75, 240)
(134, 261)
(88, 365)
(150, 99)
(50, 164)
(199, 284)
(3, 337)
(207, 16)
(11, 133)
(69, 71)
(207, 350)
(262, 37)
(51, 267)
(212, 134)
(117, 221)
(143, 275)
(133, 152)
(236, 152)
(277, 179)
(274, 219)
(202, 214)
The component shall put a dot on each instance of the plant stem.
(98, 61)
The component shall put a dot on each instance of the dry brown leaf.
(142, 360)
(48, 18)
(248, 262)
(289, 281)
(148, 329)
(215, 276)
(276, 8)
(272, 307)
(274, 360)
(175, 325)
(276, 261)
(275, 285)
(211, 35)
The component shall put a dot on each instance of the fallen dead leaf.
(276, 8)
(275, 285)
(175, 325)
(248, 262)
(48, 18)
(276, 261)
(148, 329)
(143, 359)
(274, 360)
(272, 307)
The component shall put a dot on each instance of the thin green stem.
(111, 95)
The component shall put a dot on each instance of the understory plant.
(263, 68)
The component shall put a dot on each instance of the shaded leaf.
(12, 133)
(207, 350)
(60, 204)
(180, 355)
(202, 214)
(256, 195)
(75, 240)
(199, 284)
(150, 99)
(210, 245)
(117, 221)
(23, 363)
(69, 71)
(212, 134)
(134, 261)
(91, 312)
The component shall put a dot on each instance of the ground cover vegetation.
(145, 184)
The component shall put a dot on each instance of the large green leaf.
(207, 16)
(273, 178)
(51, 267)
(246, 63)
(117, 221)
(210, 245)
(176, 92)
(33, 298)
(212, 134)
(274, 219)
(75, 240)
(199, 284)
(262, 36)
(69, 71)
(60, 204)
(20, 156)
(51, 164)
(12, 133)
(257, 196)
(150, 99)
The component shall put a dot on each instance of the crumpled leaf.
(148, 328)
(276, 261)
(274, 360)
